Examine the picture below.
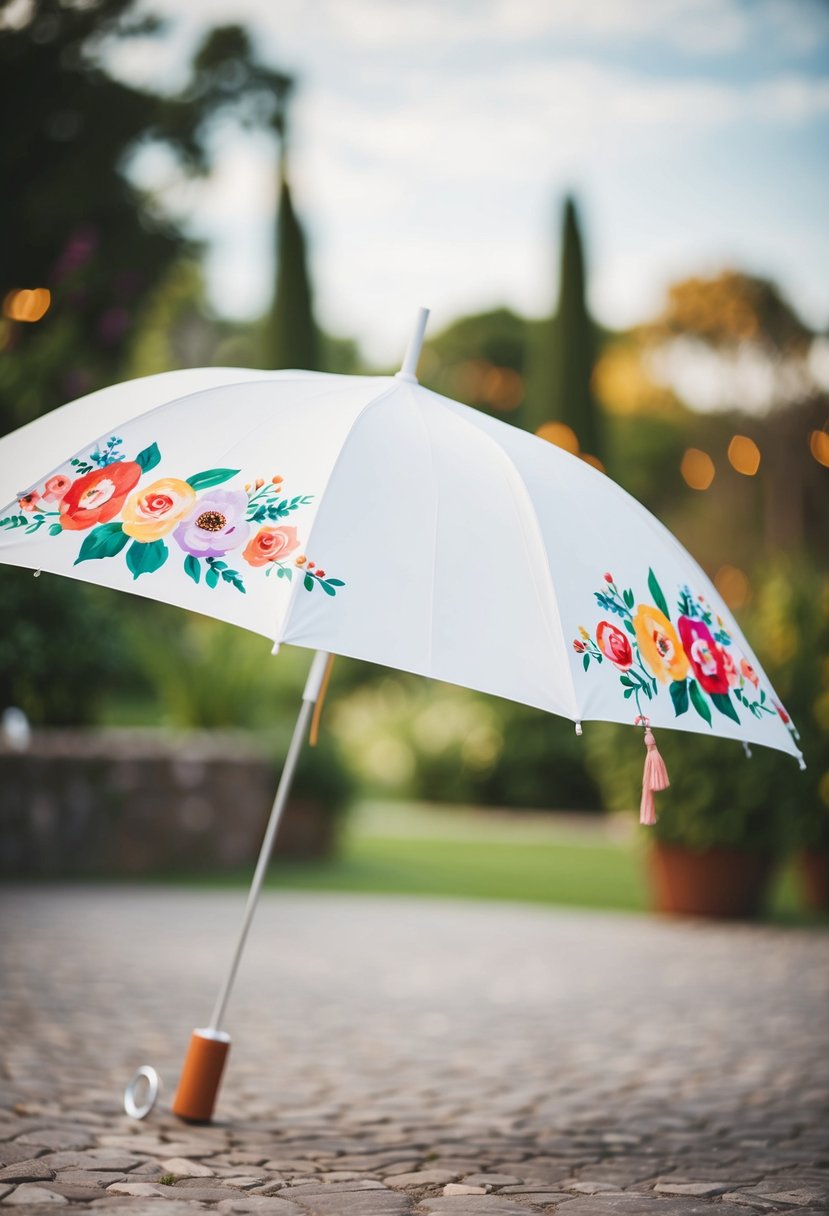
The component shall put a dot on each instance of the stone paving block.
(75, 1192)
(427, 1177)
(473, 1205)
(33, 1195)
(490, 1180)
(588, 1186)
(144, 1189)
(26, 1171)
(364, 1203)
(92, 1159)
(186, 1169)
(747, 1199)
(56, 1138)
(151, 1207)
(802, 1196)
(12, 1151)
(463, 1188)
(253, 1204)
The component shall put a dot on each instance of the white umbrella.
(369, 517)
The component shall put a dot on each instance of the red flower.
(608, 578)
(28, 502)
(578, 646)
(704, 655)
(614, 645)
(731, 673)
(784, 717)
(97, 497)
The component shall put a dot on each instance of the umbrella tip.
(409, 369)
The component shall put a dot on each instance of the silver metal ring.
(145, 1077)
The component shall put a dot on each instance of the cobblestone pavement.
(396, 1057)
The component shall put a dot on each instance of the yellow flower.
(584, 633)
(153, 512)
(659, 645)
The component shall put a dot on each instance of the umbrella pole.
(206, 1055)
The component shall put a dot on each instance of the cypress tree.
(291, 337)
(564, 393)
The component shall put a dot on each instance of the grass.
(470, 856)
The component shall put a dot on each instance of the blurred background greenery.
(99, 285)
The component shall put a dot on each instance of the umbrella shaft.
(281, 798)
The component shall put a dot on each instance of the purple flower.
(216, 525)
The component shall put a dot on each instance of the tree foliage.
(563, 391)
(81, 228)
(291, 338)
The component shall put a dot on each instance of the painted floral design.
(97, 496)
(271, 545)
(704, 654)
(217, 527)
(695, 656)
(154, 511)
(659, 644)
(101, 496)
(614, 645)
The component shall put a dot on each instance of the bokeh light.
(560, 434)
(733, 585)
(744, 455)
(697, 469)
(27, 304)
(819, 447)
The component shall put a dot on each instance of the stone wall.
(130, 802)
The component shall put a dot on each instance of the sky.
(433, 141)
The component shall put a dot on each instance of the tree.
(291, 338)
(563, 391)
(82, 231)
(756, 349)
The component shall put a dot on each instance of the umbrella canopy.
(370, 517)
(367, 516)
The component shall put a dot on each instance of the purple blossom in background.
(216, 525)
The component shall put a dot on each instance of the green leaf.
(335, 582)
(55, 529)
(627, 596)
(698, 701)
(146, 558)
(629, 693)
(679, 696)
(284, 572)
(148, 458)
(233, 577)
(725, 705)
(629, 626)
(308, 582)
(104, 541)
(212, 577)
(210, 477)
(585, 661)
(656, 592)
(192, 567)
(326, 586)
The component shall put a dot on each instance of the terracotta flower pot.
(814, 879)
(711, 882)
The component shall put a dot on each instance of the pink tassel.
(655, 777)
